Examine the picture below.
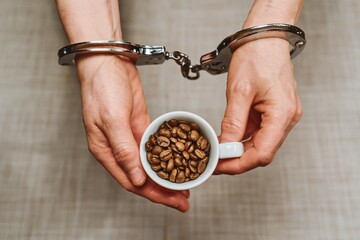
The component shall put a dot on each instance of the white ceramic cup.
(217, 150)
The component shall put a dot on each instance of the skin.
(262, 100)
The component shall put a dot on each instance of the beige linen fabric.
(52, 188)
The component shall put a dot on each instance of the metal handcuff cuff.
(215, 62)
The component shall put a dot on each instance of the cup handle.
(230, 150)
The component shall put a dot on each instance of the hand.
(115, 117)
(262, 103)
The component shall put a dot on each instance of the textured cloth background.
(52, 188)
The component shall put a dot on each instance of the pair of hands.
(262, 103)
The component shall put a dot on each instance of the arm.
(113, 103)
(262, 99)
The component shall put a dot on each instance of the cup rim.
(210, 168)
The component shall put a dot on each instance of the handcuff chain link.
(185, 63)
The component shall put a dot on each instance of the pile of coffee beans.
(177, 151)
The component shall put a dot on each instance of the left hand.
(262, 103)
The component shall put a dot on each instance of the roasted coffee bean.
(193, 176)
(201, 143)
(194, 135)
(192, 169)
(181, 133)
(178, 162)
(184, 163)
(181, 168)
(163, 165)
(173, 147)
(170, 165)
(200, 154)
(162, 126)
(207, 149)
(183, 122)
(156, 150)
(201, 167)
(152, 140)
(148, 155)
(163, 175)
(168, 126)
(166, 155)
(174, 131)
(182, 140)
(186, 155)
(165, 132)
(185, 127)
(156, 167)
(204, 143)
(177, 155)
(187, 179)
(191, 148)
(187, 172)
(173, 122)
(194, 126)
(193, 164)
(173, 140)
(173, 175)
(163, 141)
(187, 145)
(193, 156)
(180, 177)
(148, 146)
(180, 146)
(206, 160)
(154, 161)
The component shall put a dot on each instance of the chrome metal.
(139, 54)
(185, 63)
(215, 62)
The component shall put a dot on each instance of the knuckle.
(111, 119)
(128, 187)
(124, 154)
(93, 148)
(291, 108)
(231, 125)
(299, 114)
(265, 159)
(107, 118)
(242, 87)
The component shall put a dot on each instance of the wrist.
(276, 11)
(85, 20)
(91, 66)
(266, 48)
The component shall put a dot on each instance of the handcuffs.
(215, 62)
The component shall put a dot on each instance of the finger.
(260, 150)
(125, 149)
(139, 116)
(100, 148)
(167, 197)
(185, 193)
(150, 190)
(239, 100)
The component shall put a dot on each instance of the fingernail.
(137, 176)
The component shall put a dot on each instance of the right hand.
(115, 118)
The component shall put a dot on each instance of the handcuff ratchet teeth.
(215, 62)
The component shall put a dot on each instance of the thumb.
(236, 116)
(126, 152)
